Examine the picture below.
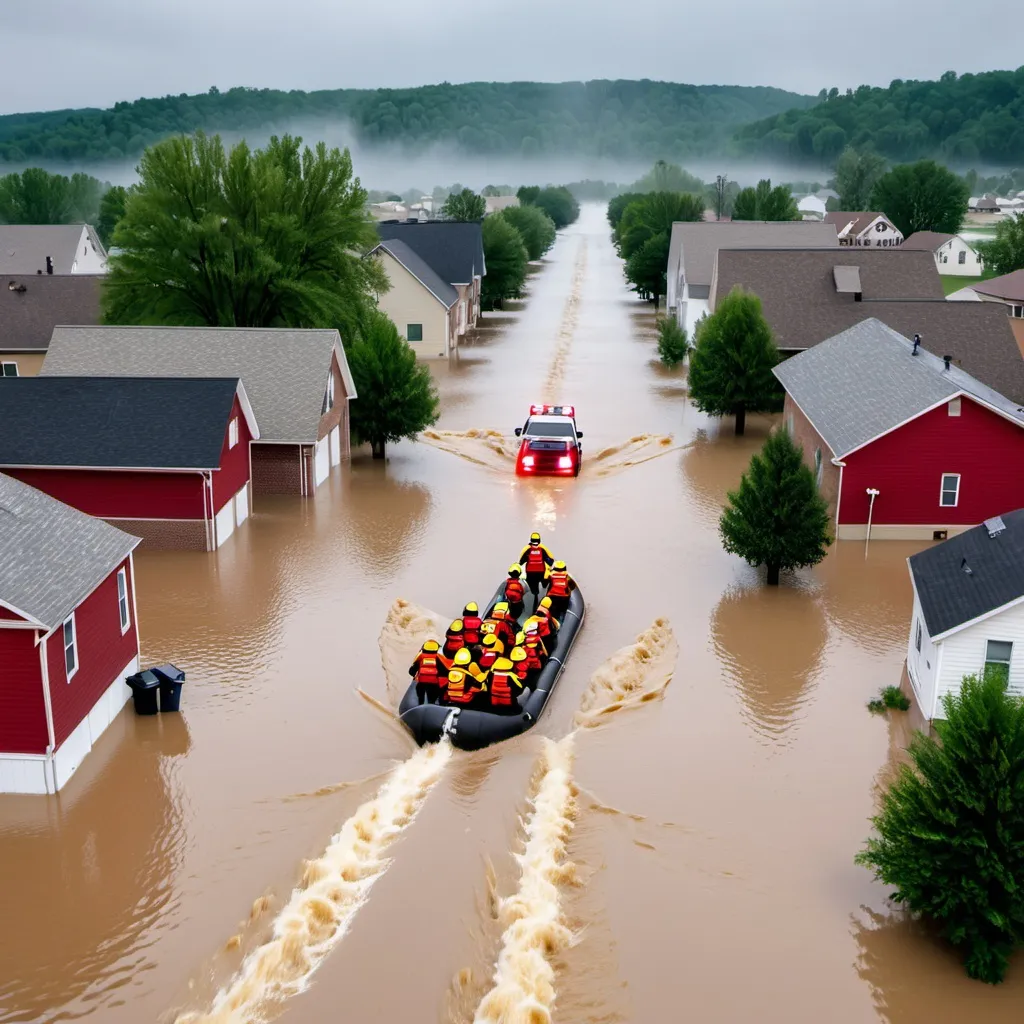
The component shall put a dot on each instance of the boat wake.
(567, 328)
(405, 629)
(488, 448)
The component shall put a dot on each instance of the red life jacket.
(523, 668)
(558, 584)
(543, 622)
(514, 591)
(457, 691)
(453, 642)
(501, 688)
(488, 658)
(534, 647)
(428, 671)
(535, 559)
(471, 628)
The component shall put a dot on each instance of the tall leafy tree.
(921, 197)
(556, 201)
(1005, 253)
(243, 238)
(950, 833)
(396, 394)
(731, 362)
(776, 518)
(666, 177)
(654, 214)
(857, 171)
(464, 205)
(535, 227)
(37, 197)
(112, 207)
(506, 259)
(617, 207)
(765, 203)
(645, 268)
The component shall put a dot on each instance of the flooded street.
(716, 827)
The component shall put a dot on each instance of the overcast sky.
(72, 53)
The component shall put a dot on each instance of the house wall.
(409, 302)
(22, 708)
(803, 433)
(906, 466)
(276, 468)
(233, 474)
(28, 363)
(87, 259)
(923, 665)
(879, 234)
(947, 259)
(337, 417)
(103, 650)
(461, 313)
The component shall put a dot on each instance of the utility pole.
(720, 185)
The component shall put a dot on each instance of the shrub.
(672, 342)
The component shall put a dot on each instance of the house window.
(330, 390)
(414, 332)
(949, 493)
(122, 599)
(997, 659)
(819, 467)
(1017, 311)
(961, 258)
(233, 432)
(789, 424)
(8, 369)
(953, 406)
(70, 648)
(917, 636)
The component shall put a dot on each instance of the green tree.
(666, 177)
(1005, 253)
(264, 238)
(776, 518)
(84, 194)
(527, 194)
(645, 268)
(731, 362)
(535, 227)
(857, 171)
(112, 207)
(617, 207)
(672, 342)
(396, 394)
(654, 214)
(464, 205)
(34, 197)
(765, 203)
(951, 827)
(921, 197)
(506, 259)
(557, 202)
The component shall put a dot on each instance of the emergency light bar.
(552, 410)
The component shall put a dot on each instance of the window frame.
(997, 661)
(72, 647)
(125, 612)
(961, 258)
(330, 395)
(917, 635)
(408, 332)
(232, 432)
(5, 364)
(953, 406)
(819, 468)
(942, 491)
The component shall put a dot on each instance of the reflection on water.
(773, 675)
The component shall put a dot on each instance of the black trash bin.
(144, 687)
(171, 677)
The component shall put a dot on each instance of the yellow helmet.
(520, 637)
(503, 665)
(462, 656)
(534, 538)
(490, 640)
(430, 645)
(517, 654)
(456, 675)
(545, 602)
(502, 607)
(515, 571)
(531, 626)
(471, 609)
(456, 626)
(559, 566)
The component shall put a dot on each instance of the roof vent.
(917, 344)
(847, 281)
(965, 568)
(947, 360)
(995, 526)
(14, 286)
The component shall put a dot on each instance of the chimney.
(49, 264)
(947, 360)
(917, 344)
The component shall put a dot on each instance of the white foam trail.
(332, 890)
(405, 629)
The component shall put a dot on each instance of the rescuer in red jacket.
(536, 560)
(515, 590)
(471, 623)
(560, 587)
(429, 672)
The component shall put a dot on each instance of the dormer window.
(329, 396)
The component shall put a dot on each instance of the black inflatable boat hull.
(472, 730)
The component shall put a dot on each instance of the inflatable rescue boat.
(472, 729)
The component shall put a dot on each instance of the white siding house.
(968, 615)
(954, 257)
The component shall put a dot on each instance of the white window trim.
(942, 488)
(233, 432)
(330, 390)
(74, 645)
(5, 364)
(126, 618)
(917, 636)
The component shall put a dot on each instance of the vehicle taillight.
(527, 460)
(565, 462)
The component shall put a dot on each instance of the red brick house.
(68, 635)
(903, 445)
(167, 459)
(297, 380)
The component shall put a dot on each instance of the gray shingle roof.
(24, 247)
(284, 371)
(51, 555)
(440, 289)
(454, 249)
(35, 304)
(864, 382)
(1010, 286)
(930, 240)
(950, 596)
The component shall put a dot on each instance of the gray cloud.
(66, 53)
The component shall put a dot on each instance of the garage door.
(321, 462)
(335, 439)
(225, 523)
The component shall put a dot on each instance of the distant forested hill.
(602, 118)
(970, 120)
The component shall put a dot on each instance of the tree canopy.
(506, 258)
(112, 207)
(396, 394)
(921, 197)
(857, 172)
(535, 227)
(1005, 253)
(37, 197)
(950, 832)
(765, 203)
(464, 205)
(243, 238)
(555, 200)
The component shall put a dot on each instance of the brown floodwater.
(715, 827)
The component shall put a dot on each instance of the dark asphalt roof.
(117, 422)
(31, 305)
(442, 291)
(51, 555)
(1009, 286)
(930, 240)
(950, 596)
(454, 250)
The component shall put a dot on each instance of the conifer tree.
(776, 518)
(951, 828)
(731, 363)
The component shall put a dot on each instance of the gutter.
(839, 496)
(51, 735)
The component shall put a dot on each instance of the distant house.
(50, 249)
(968, 616)
(1008, 290)
(983, 204)
(68, 635)
(392, 210)
(903, 446)
(32, 305)
(495, 204)
(953, 256)
(694, 246)
(812, 207)
(454, 250)
(298, 381)
(426, 310)
(165, 458)
(865, 229)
